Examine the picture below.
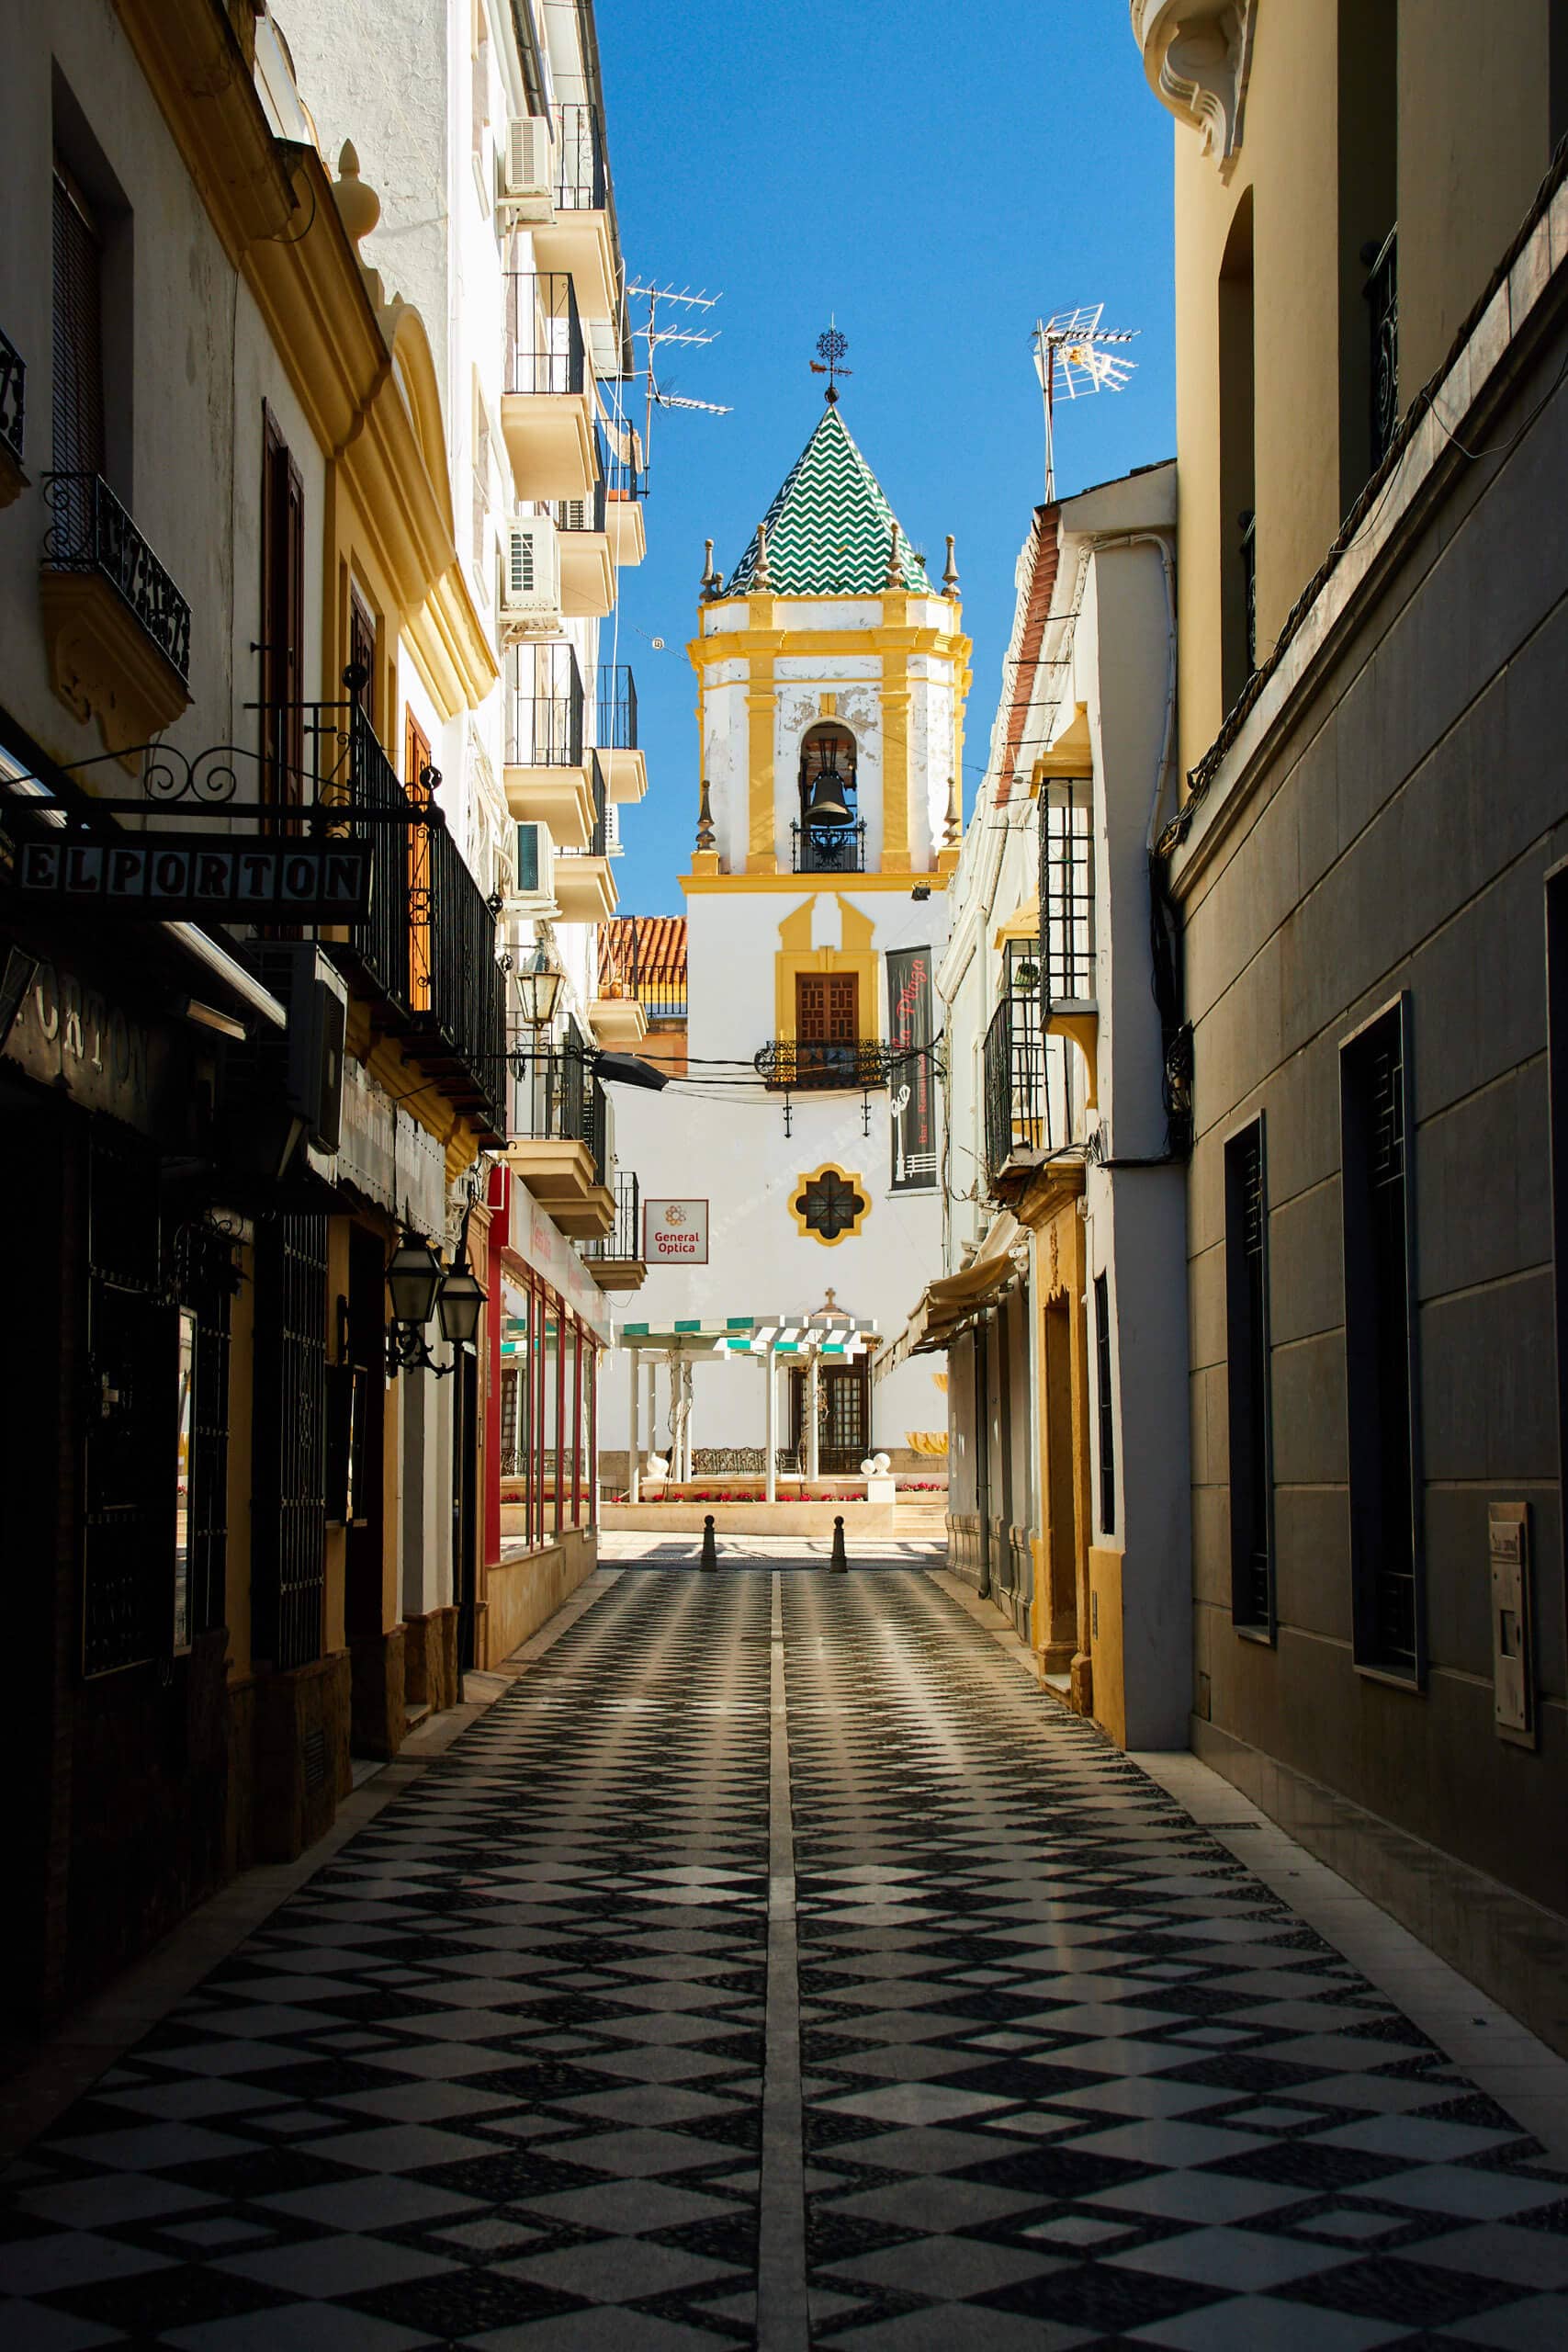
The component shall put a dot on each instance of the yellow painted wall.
(1475, 142)
(1105, 1642)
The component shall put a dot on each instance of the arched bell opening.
(829, 833)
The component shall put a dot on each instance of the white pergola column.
(813, 1390)
(634, 1477)
(771, 1460)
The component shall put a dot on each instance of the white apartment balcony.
(547, 406)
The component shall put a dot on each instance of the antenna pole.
(1050, 422)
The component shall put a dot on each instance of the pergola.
(808, 1340)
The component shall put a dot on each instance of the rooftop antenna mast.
(656, 335)
(1072, 363)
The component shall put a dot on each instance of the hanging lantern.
(414, 1277)
(459, 1304)
(539, 984)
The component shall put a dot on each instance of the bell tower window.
(829, 834)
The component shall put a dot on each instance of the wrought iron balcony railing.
(618, 470)
(1017, 1107)
(580, 183)
(811, 1066)
(620, 964)
(623, 1244)
(382, 944)
(599, 837)
(827, 849)
(545, 708)
(556, 1098)
(544, 350)
(1382, 291)
(1249, 589)
(1066, 893)
(582, 514)
(615, 707)
(13, 397)
(458, 1012)
(89, 530)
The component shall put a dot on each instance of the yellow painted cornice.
(696, 885)
(739, 645)
(196, 68)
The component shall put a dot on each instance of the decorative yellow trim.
(735, 645)
(103, 664)
(1083, 1028)
(1070, 757)
(856, 954)
(1023, 923)
(201, 78)
(895, 761)
(828, 704)
(705, 880)
(846, 1176)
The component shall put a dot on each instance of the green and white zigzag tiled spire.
(830, 528)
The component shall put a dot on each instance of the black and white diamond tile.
(1074, 2076)
(494, 2075)
(1071, 2075)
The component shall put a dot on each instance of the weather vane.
(1072, 363)
(829, 359)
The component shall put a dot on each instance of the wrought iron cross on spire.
(829, 359)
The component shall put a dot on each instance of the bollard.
(838, 1560)
(710, 1549)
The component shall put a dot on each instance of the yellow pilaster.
(895, 763)
(762, 851)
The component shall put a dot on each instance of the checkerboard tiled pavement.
(1071, 2074)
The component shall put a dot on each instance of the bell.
(826, 805)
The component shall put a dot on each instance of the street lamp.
(539, 984)
(414, 1277)
(459, 1304)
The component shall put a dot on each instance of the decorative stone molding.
(1198, 56)
(103, 664)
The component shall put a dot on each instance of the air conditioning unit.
(530, 580)
(528, 166)
(291, 1086)
(576, 514)
(536, 866)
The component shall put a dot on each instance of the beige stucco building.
(1372, 261)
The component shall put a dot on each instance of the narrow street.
(772, 1964)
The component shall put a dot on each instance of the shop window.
(1247, 1323)
(1380, 1343)
(1105, 1410)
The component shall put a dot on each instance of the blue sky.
(938, 177)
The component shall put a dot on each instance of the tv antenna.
(1073, 363)
(687, 327)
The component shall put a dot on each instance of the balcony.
(1381, 292)
(1066, 949)
(427, 948)
(625, 487)
(1017, 1121)
(558, 1146)
(116, 628)
(616, 1015)
(585, 887)
(615, 710)
(547, 779)
(822, 1066)
(547, 406)
(827, 849)
(576, 241)
(587, 571)
(12, 420)
(615, 1259)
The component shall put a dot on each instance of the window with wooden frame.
(416, 778)
(282, 619)
(78, 336)
(827, 1022)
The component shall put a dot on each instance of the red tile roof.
(1041, 588)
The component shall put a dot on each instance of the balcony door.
(827, 1025)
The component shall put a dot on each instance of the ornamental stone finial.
(950, 577)
(359, 207)
(710, 577)
(762, 578)
(894, 568)
(705, 819)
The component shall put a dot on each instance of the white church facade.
(803, 1131)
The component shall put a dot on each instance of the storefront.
(546, 1342)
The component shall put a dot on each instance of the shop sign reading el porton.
(675, 1233)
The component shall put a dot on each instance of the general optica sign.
(675, 1233)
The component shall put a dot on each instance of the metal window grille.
(1016, 1077)
(78, 420)
(1105, 1413)
(1066, 893)
(1252, 1583)
(1378, 1331)
(289, 1440)
(1381, 292)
